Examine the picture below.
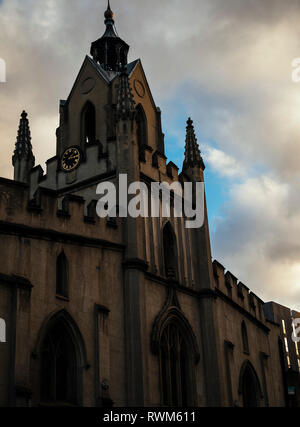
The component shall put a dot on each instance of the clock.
(139, 88)
(70, 159)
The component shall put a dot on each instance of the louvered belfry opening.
(110, 51)
(89, 123)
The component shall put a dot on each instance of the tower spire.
(110, 51)
(192, 156)
(23, 158)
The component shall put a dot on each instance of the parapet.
(50, 213)
(230, 286)
(155, 165)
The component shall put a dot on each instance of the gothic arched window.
(142, 130)
(62, 275)
(175, 368)
(170, 251)
(122, 57)
(58, 367)
(245, 338)
(88, 123)
(249, 386)
(62, 354)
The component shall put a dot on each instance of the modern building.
(289, 349)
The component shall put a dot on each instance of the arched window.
(142, 130)
(58, 367)
(175, 344)
(63, 357)
(176, 368)
(245, 338)
(170, 251)
(62, 275)
(88, 123)
(249, 386)
(122, 57)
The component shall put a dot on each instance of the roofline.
(144, 75)
(92, 62)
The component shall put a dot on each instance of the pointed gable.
(143, 99)
(92, 86)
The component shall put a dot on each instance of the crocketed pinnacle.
(23, 148)
(110, 51)
(192, 157)
(125, 101)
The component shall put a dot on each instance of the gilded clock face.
(70, 159)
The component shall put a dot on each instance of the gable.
(90, 78)
(143, 97)
(91, 85)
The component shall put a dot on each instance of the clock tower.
(88, 147)
(117, 291)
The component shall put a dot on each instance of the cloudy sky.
(225, 63)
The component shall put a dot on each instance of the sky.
(225, 63)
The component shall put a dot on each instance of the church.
(120, 312)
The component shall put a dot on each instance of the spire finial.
(192, 155)
(189, 122)
(109, 15)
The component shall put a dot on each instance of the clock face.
(70, 159)
(139, 88)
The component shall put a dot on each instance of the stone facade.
(124, 312)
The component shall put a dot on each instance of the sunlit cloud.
(222, 163)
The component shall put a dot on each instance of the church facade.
(120, 311)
